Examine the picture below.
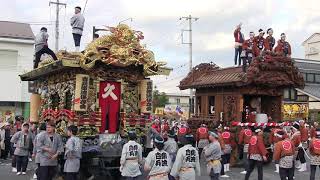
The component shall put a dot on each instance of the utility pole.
(190, 19)
(58, 4)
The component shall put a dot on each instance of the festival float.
(236, 98)
(105, 90)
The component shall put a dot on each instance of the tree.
(160, 99)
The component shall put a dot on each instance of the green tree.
(160, 99)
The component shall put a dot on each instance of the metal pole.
(190, 60)
(57, 27)
(58, 4)
(189, 18)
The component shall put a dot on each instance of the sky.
(159, 21)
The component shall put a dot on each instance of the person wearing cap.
(239, 39)
(23, 140)
(49, 146)
(42, 130)
(131, 158)
(41, 47)
(212, 153)
(314, 149)
(72, 154)
(247, 53)
(283, 47)
(186, 165)
(202, 136)
(257, 153)
(171, 145)
(270, 41)
(158, 161)
(229, 143)
(284, 156)
(244, 138)
(259, 43)
(77, 24)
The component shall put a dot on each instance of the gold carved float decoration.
(122, 48)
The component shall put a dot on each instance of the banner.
(146, 96)
(109, 100)
(81, 92)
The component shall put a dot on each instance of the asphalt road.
(6, 174)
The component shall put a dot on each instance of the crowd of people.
(289, 146)
(23, 142)
(254, 46)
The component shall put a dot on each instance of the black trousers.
(71, 176)
(14, 161)
(286, 173)
(225, 160)
(300, 156)
(200, 152)
(237, 54)
(44, 50)
(77, 39)
(313, 169)
(46, 172)
(252, 164)
(245, 61)
(22, 163)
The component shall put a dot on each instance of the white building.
(16, 57)
(312, 47)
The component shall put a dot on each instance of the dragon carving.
(119, 48)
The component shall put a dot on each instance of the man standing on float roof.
(77, 23)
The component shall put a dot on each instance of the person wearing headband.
(131, 158)
(270, 41)
(247, 53)
(77, 24)
(187, 165)
(202, 138)
(314, 149)
(158, 161)
(259, 43)
(171, 145)
(283, 47)
(284, 155)
(212, 153)
(257, 153)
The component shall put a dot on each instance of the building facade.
(312, 47)
(304, 102)
(16, 57)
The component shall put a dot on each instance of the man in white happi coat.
(186, 166)
(131, 158)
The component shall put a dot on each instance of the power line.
(85, 5)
